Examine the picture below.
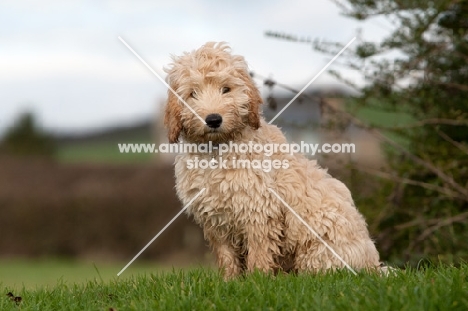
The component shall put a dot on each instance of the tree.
(24, 138)
(426, 208)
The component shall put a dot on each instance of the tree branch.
(462, 147)
(439, 223)
(461, 87)
(429, 122)
(407, 181)
(425, 163)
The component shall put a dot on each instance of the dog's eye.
(193, 94)
(226, 90)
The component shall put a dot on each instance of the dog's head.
(217, 87)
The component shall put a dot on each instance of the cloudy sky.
(63, 60)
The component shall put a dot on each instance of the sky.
(63, 60)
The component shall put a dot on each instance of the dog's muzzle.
(214, 120)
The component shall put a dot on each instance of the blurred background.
(75, 208)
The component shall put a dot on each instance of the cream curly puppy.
(246, 225)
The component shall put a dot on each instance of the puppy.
(246, 224)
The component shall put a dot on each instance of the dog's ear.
(172, 117)
(255, 100)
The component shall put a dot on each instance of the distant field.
(381, 119)
(101, 152)
(378, 117)
(435, 288)
(102, 146)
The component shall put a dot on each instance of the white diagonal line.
(162, 230)
(313, 79)
(161, 79)
(313, 231)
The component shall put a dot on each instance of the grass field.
(29, 274)
(436, 288)
(101, 152)
(102, 147)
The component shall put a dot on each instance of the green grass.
(376, 116)
(436, 288)
(23, 273)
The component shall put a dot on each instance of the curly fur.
(245, 224)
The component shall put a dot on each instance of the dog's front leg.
(228, 261)
(262, 249)
(227, 256)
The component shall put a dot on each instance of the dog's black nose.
(214, 120)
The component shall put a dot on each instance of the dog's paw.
(387, 270)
